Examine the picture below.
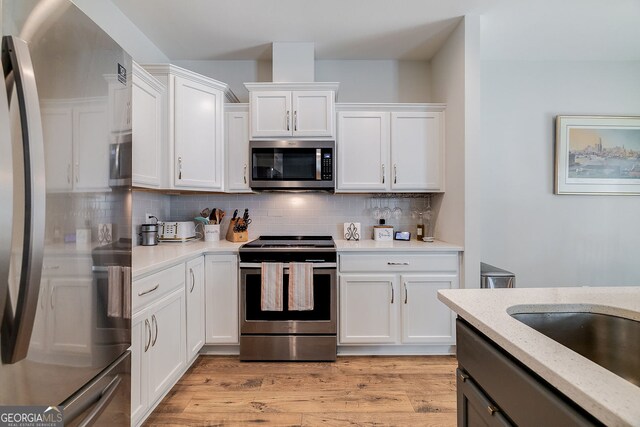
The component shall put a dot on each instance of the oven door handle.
(315, 265)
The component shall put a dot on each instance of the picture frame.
(597, 155)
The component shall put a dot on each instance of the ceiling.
(388, 29)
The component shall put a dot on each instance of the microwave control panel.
(327, 164)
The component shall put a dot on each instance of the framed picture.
(597, 155)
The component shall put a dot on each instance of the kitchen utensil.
(213, 219)
(235, 215)
(205, 212)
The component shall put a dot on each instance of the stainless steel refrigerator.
(65, 214)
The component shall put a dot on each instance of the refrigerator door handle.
(103, 402)
(20, 76)
(6, 197)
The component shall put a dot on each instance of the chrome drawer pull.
(149, 291)
(397, 263)
(193, 280)
(392, 293)
(155, 323)
(147, 326)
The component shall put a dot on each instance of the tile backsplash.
(283, 213)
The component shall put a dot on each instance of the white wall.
(122, 30)
(360, 81)
(455, 81)
(547, 239)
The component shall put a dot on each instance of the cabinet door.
(147, 132)
(57, 129)
(221, 294)
(69, 319)
(237, 140)
(475, 409)
(91, 148)
(271, 113)
(312, 113)
(167, 350)
(416, 151)
(363, 151)
(425, 319)
(368, 309)
(140, 345)
(195, 306)
(198, 137)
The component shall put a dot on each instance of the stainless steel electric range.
(288, 334)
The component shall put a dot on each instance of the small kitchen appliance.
(177, 231)
(149, 234)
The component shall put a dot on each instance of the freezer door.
(106, 401)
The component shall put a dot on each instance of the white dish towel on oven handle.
(300, 286)
(271, 286)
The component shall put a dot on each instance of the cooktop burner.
(289, 249)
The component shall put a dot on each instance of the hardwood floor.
(354, 391)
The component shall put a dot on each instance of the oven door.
(320, 320)
(292, 164)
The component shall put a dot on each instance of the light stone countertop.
(148, 259)
(370, 245)
(608, 397)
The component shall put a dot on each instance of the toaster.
(178, 231)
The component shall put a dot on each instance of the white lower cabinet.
(195, 307)
(381, 303)
(157, 326)
(221, 295)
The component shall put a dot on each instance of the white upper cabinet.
(292, 110)
(237, 148)
(198, 135)
(193, 118)
(147, 129)
(390, 147)
(363, 151)
(416, 151)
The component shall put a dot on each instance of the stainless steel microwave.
(292, 165)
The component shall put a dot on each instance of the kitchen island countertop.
(606, 396)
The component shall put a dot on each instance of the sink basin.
(611, 342)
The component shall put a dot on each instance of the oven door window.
(289, 164)
(321, 301)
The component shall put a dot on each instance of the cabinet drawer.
(66, 266)
(150, 288)
(404, 262)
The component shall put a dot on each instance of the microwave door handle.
(117, 161)
(318, 164)
(19, 76)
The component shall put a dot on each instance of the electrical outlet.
(147, 218)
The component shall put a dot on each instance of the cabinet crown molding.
(263, 86)
(183, 72)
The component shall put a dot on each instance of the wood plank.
(225, 419)
(333, 382)
(397, 419)
(302, 401)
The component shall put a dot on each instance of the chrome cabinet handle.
(492, 409)
(179, 167)
(392, 293)
(52, 291)
(69, 173)
(147, 326)
(77, 171)
(288, 120)
(155, 324)
(406, 293)
(383, 173)
(295, 120)
(397, 263)
(193, 280)
(395, 174)
(463, 377)
(149, 291)
(245, 173)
